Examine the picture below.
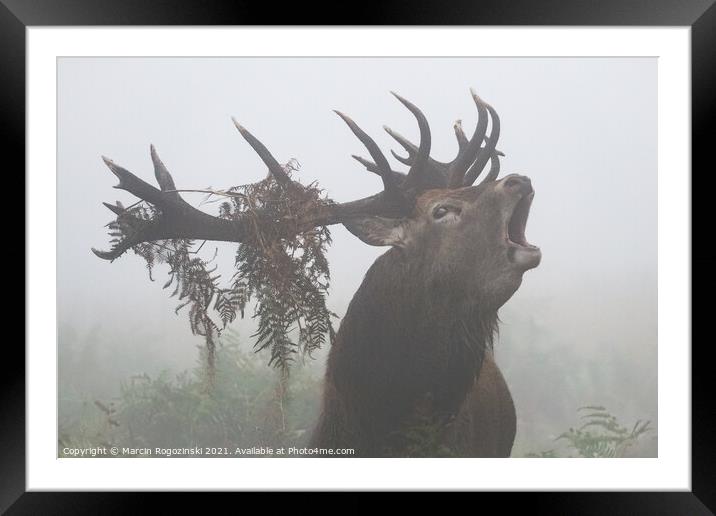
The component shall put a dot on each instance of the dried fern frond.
(284, 270)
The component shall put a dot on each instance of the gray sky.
(584, 130)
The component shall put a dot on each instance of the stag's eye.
(440, 212)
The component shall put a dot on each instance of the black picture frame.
(700, 15)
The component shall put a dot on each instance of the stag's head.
(455, 234)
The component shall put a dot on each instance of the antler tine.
(494, 168)
(404, 161)
(409, 146)
(412, 149)
(417, 175)
(436, 169)
(486, 153)
(467, 154)
(164, 178)
(107, 255)
(149, 234)
(369, 165)
(134, 185)
(372, 167)
(462, 140)
(117, 209)
(274, 167)
(382, 167)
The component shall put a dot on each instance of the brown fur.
(486, 424)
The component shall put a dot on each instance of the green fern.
(601, 435)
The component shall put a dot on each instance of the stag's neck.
(396, 294)
(403, 341)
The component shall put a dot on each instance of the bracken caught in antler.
(278, 264)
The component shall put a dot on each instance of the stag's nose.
(517, 182)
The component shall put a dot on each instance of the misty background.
(581, 330)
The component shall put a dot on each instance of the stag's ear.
(374, 230)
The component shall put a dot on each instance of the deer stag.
(414, 349)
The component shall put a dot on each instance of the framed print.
(271, 300)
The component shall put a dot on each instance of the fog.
(581, 330)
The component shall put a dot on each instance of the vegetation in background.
(249, 406)
(243, 406)
(601, 435)
(551, 377)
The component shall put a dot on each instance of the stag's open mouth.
(522, 251)
(518, 221)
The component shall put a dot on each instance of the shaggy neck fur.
(404, 346)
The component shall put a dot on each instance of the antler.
(400, 188)
(177, 219)
(471, 157)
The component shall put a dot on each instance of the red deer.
(414, 349)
